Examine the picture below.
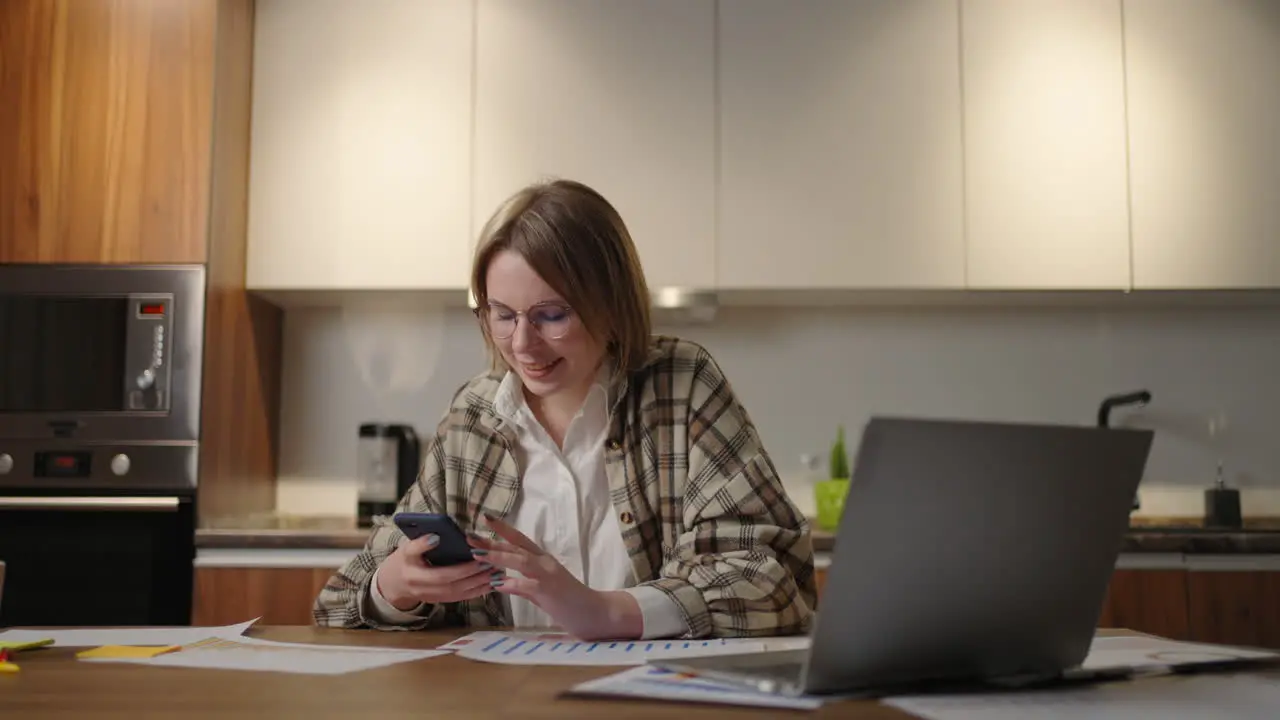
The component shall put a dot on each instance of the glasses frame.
(480, 313)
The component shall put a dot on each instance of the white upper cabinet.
(840, 157)
(360, 170)
(1204, 116)
(1046, 180)
(618, 94)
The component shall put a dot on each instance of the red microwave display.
(151, 310)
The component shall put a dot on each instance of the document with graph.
(533, 648)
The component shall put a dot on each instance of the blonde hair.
(578, 244)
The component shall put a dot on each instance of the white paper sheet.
(259, 655)
(1154, 652)
(1196, 697)
(532, 648)
(93, 637)
(651, 683)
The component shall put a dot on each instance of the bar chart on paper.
(516, 648)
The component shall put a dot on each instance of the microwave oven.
(98, 354)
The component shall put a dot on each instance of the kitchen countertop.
(1147, 535)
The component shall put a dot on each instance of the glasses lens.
(552, 322)
(502, 322)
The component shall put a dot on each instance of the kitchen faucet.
(1138, 398)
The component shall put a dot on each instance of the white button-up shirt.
(564, 507)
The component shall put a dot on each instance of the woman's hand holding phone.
(582, 612)
(406, 579)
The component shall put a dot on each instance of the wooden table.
(52, 685)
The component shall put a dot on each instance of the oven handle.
(110, 504)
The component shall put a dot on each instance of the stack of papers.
(126, 636)
(267, 656)
(221, 648)
(1155, 653)
(1193, 696)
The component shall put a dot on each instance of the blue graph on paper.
(554, 649)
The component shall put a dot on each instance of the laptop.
(966, 551)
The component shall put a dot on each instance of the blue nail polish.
(485, 566)
(495, 583)
(478, 551)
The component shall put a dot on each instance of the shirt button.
(626, 517)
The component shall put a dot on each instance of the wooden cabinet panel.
(1236, 607)
(361, 146)
(1046, 180)
(617, 94)
(105, 130)
(280, 596)
(239, 413)
(1150, 601)
(840, 165)
(1204, 105)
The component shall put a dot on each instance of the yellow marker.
(8, 667)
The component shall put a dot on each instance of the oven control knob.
(120, 464)
(147, 378)
(6, 463)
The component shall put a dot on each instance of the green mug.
(829, 497)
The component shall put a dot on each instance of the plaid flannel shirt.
(704, 515)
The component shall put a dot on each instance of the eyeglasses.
(552, 321)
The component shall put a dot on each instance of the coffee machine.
(388, 457)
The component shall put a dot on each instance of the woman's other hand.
(406, 579)
(584, 613)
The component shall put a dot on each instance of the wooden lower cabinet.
(1228, 607)
(280, 596)
(1235, 607)
(1149, 601)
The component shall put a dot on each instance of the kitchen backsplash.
(800, 371)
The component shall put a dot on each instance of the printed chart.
(560, 649)
(651, 683)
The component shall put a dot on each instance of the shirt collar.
(510, 405)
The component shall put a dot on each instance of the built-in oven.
(100, 377)
(101, 557)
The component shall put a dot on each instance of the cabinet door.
(105, 130)
(361, 145)
(617, 94)
(1204, 108)
(1236, 607)
(1149, 601)
(840, 135)
(280, 596)
(1044, 126)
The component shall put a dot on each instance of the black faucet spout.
(1139, 398)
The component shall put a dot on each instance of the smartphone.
(452, 548)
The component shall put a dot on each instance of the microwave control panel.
(147, 360)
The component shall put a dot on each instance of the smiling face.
(549, 367)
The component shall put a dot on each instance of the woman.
(611, 482)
